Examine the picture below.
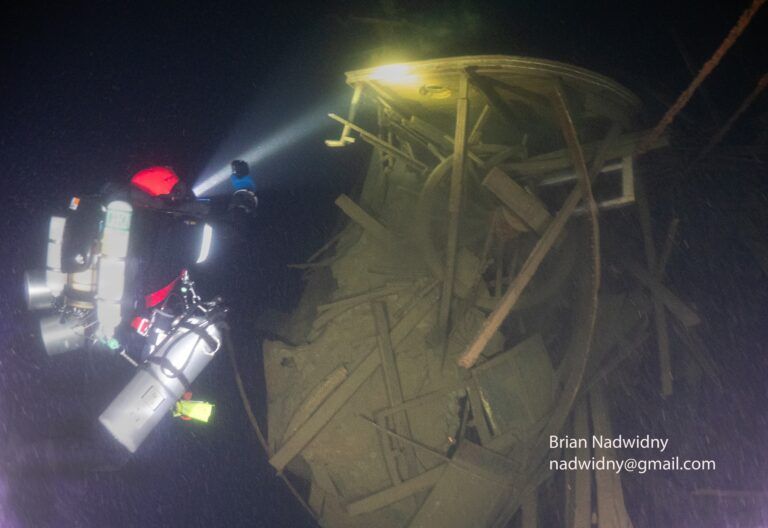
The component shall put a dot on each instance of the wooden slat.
(454, 203)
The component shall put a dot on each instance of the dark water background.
(91, 94)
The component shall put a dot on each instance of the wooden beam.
(363, 219)
(526, 206)
(454, 203)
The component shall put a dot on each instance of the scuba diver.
(118, 280)
(244, 199)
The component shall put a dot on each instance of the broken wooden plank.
(362, 218)
(320, 418)
(686, 315)
(526, 206)
(397, 493)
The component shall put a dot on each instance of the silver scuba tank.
(42, 287)
(61, 335)
(161, 380)
(36, 291)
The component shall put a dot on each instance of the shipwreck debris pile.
(450, 327)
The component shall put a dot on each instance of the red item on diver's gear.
(141, 325)
(155, 181)
(155, 298)
(186, 396)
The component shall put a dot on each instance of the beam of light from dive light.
(284, 138)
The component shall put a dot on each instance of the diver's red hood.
(155, 181)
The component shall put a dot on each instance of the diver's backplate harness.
(83, 292)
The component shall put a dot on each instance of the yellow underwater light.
(394, 74)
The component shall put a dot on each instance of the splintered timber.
(618, 442)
